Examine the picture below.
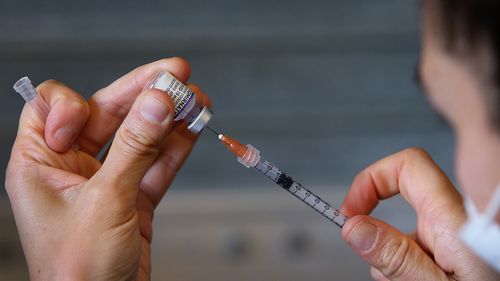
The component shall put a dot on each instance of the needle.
(212, 130)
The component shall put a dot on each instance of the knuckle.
(62, 91)
(164, 63)
(48, 85)
(51, 82)
(79, 107)
(173, 60)
(365, 176)
(137, 142)
(112, 108)
(168, 62)
(393, 257)
(416, 153)
(171, 163)
(377, 275)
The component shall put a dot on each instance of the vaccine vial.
(186, 107)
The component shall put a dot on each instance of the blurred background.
(322, 88)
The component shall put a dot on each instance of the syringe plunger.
(250, 157)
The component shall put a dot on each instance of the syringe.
(24, 87)
(250, 157)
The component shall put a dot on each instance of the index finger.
(422, 184)
(110, 105)
(411, 172)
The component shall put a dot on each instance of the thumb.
(138, 141)
(392, 253)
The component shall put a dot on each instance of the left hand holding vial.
(83, 219)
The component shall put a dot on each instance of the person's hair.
(471, 26)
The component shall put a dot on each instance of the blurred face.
(457, 88)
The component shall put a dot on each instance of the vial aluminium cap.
(184, 101)
(199, 122)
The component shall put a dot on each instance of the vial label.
(180, 94)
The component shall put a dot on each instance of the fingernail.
(153, 110)
(363, 236)
(64, 135)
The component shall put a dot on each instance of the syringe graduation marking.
(250, 157)
(302, 193)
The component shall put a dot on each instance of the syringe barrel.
(300, 192)
(186, 106)
(249, 157)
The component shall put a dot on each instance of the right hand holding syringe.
(250, 157)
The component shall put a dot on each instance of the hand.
(434, 251)
(78, 218)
